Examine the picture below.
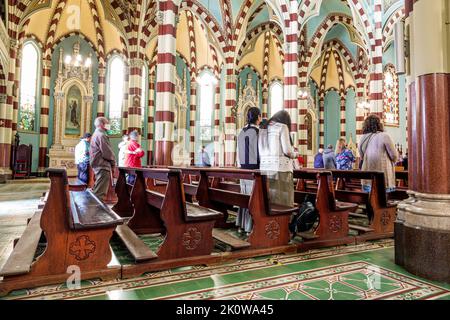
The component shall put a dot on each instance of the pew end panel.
(70, 244)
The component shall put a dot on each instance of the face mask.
(108, 127)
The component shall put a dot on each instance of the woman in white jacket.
(277, 153)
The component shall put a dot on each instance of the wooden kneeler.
(77, 227)
(187, 227)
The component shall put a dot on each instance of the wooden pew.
(270, 221)
(380, 212)
(187, 227)
(333, 224)
(77, 228)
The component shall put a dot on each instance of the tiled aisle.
(365, 271)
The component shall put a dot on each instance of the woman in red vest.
(133, 155)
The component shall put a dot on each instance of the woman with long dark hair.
(248, 157)
(378, 152)
(277, 154)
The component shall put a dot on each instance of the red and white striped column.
(343, 132)
(192, 116)
(265, 76)
(165, 82)
(217, 127)
(376, 76)
(150, 117)
(135, 111)
(230, 102)
(322, 121)
(101, 92)
(291, 66)
(45, 111)
(5, 126)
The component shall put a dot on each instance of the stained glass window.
(276, 97)
(116, 94)
(390, 96)
(28, 87)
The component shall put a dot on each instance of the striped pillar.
(217, 152)
(193, 115)
(422, 230)
(165, 82)
(343, 132)
(5, 126)
(150, 118)
(101, 92)
(291, 67)
(135, 111)
(230, 102)
(265, 76)
(302, 128)
(45, 111)
(321, 121)
(360, 116)
(376, 76)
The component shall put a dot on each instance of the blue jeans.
(367, 189)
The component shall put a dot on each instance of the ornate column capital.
(136, 63)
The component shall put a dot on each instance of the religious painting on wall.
(391, 97)
(73, 112)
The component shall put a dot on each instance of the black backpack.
(305, 219)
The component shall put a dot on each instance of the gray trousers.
(244, 219)
(102, 182)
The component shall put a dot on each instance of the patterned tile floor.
(360, 272)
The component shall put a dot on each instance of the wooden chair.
(333, 227)
(21, 160)
(77, 227)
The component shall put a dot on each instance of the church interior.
(183, 74)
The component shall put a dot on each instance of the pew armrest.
(199, 213)
(346, 206)
(278, 209)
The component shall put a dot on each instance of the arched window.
(116, 93)
(28, 87)
(276, 97)
(207, 83)
(390, 96)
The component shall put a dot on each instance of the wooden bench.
(187, 227)
(333, 227)
(270, 221)
(77, 227)
(380, 212)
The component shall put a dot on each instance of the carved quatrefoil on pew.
(82, 248)
(273, 230)
(191, 238)
(385, 218)
(335, 223)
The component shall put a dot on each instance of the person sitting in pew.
(378, 152)
(276, 158)
(248, 158)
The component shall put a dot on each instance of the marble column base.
(422, 236)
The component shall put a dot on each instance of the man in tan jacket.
(101, 157)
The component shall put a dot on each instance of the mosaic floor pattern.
(362, 272)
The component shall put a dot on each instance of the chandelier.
(75, 64)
